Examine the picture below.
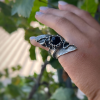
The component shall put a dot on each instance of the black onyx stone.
(55, 40)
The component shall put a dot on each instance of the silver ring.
(56, 44)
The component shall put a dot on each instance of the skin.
(79, 28)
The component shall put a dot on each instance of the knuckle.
(60, 20)
(49, 10)
(84, 13)
(69, 6)
(67, 14)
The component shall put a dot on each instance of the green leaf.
(3, 96)
(85, 98)
(32, 52)
(7, 23)
(37, 4)
(90, 6)
(54, 3)
(1, 86)
(13, 68)
(35, 75)
(40, 96)
(1, 74)
(7, 1)
(29, 79)
(32, 32)
(44, 54)
(73, 2)
(80, 3)
(16, 80)
(22, 22)
(27, 89)
(14, 91)
(47, 76)
(55, 64)
(22, 7)
(64, 94)
(6, 9)
(18, 67)
(6, 72)
(52, 31)
(51, 2)
(53, 87)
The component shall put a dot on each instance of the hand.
(79, 28)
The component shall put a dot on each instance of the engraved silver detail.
(63, 51)
(56, 51)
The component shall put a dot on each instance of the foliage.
(44, 54)
(19, 14)
(37, 4)
(7, 23)
(55, 64)
(90, 7)
(32, 52)
(20, 87)
(6, 9)
(65, 94)
(22, 7)
(30, 31)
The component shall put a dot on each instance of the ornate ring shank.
(59, 52)
(56, 44)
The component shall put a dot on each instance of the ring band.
(56, 44)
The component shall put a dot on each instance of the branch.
(36, 85)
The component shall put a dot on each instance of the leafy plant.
(19, 14)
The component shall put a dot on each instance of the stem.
(36, 85)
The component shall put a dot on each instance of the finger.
(73, 18)
(61, 25)
(33, 42)
(83, 14)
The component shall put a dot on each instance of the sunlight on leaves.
(22, 7)
(90, 6)
(37, 4)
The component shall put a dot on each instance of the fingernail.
(32, 37)
(39, 13)
(43, 8)
(62, 3)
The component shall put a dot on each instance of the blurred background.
(28, 72)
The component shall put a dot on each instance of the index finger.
(61, 25)
(81, 13)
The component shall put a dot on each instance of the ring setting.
(56, 44)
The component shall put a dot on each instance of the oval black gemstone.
(55, 40)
